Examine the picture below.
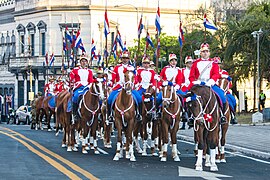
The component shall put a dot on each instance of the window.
(43, 43)
(32, 39)
(22, 44)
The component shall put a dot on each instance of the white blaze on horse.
(124, 115)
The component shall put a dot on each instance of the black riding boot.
(223, 119)
(109, 113)
(138, 115)
(74, 113)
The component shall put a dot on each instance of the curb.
(234, 148)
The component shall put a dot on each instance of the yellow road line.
(55, 164)
(60, 158)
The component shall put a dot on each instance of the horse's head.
(168, 93)
(129, 79)
(150, 92)
(99, 88)
(224, 84)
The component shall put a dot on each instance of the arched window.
(42, 26)
(21, 33)
(31, 32)
(11, 91)
(5, 90)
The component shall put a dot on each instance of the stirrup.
(138, 117)
(190, 122)
(223, 120)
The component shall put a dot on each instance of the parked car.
(23, 114)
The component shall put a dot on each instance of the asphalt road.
(30, 154)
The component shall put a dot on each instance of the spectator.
(262, 98)
(246, 98)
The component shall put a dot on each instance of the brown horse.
(124, 115)
(64, 117)
(224, 84)
(204, 106)
(171, 113)
(48, 111)
(89, 110)
(39, 113)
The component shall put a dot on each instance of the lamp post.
(256, 34)
(137, 10)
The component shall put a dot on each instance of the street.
(30, 154)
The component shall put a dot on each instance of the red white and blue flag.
(208, 25)
(78, 42)
(149, 41)
(106, 25)
(52, 60)
(119, 40)
(93, 48)
(68, 36)
(140, 27)
(181, 38)
(114, 49)
(157, 22)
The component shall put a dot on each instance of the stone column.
(25, 89)
(16, 92)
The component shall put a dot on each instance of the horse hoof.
(127, 156)
(116, 158)
(154, 154)
(49, 130)
(214, 168)
(84, 152)
(207, 164)
(176, 159)
(198, 168)
(217, 161)
(109, 146)
(132, 158)
(223, 160)
(76, 145)
(56, 134)
(144, 154)
(74, 149)
(92, 148)
(178, 152)
(64, 145)
(97, 152)
(87, 148)
(163, 159)
(139, 150)
(69, 149)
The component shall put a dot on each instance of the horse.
(224, 84)
(48, 111)
(171, 117)
(63, 116)
(149, 123)
(39, 113)
(203, 104)
(89, 108)
(124, 115)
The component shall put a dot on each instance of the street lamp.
(256, 34)
(137, 10)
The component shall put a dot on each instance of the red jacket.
(168, 73)
(146, 77)
(81, 77)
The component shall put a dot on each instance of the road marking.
(60, 158)
(233, 153)
(55, 164)
(102, 151)
(187, 172)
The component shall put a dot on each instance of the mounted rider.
(118, 80)
(80, 78)
(49, 88)
(205, 71)
(185, 84)
(231, 99)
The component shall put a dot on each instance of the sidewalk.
(249, 139)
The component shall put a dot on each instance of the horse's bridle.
(202, 112)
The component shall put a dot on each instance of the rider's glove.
(210, 82)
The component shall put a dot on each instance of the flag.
(73, 36)
(208, 25)
(64, 45)
(149, 41)
(78, 42)
(119, 40)
(52, 60)
(140, 27)
(157, 22)
(71, 58)
(114, 49)
(181, 38)
(106, 25)
(68, 36)
(46, 59)
(93, 48)
(99, 59)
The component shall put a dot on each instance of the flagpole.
(181, 47)
(139, 41)
(62, 54)
(106, 53)
(203, 18)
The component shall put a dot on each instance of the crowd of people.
(202, 71)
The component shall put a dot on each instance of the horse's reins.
(199, 116)
(123, 112)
